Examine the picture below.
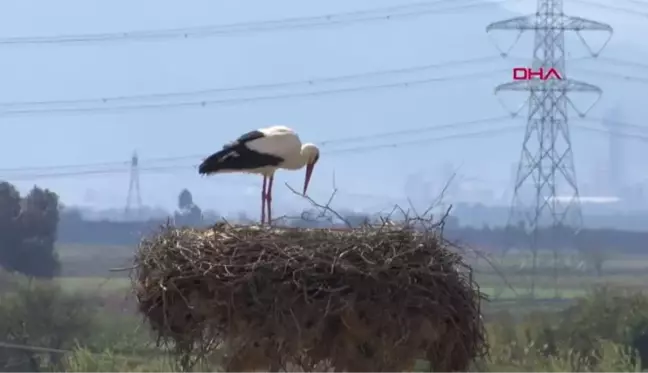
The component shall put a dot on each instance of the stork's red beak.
(309, 173)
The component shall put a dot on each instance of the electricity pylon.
(546, 164)
(134, 191)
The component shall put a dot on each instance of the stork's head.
(310, 154)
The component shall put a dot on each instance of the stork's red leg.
(263, 199)
(269, 199)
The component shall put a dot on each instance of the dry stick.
(441, 223)
(323, 208)
(303, 216)
(426, 218)
(122, 269)
(441, 195)
(477, 252)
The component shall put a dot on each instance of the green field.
(107, 334)
(87, 269)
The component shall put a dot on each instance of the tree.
(9, 227)
(185, 200)
(189, 213)
(28, 231)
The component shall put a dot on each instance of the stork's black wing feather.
(245, 138)
(252, 135)
(237, 156)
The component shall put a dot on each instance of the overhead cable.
(295, 83)
(612, 7)
(323, 144)
(335, 19)
(242, 100)
(185, 168)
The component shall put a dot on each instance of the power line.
(324, 144)
(615, 75)
(599, 120)
(616, 123)
(611, 60)
(638, 2)
(295, 83)
(308, 83)
(489, 132)
(613, 8)
(97, 168)
(634, 136)
(63, 167)
(415, 130)
(618, 61)
(357, 149)
(336, 19)
(232, 101)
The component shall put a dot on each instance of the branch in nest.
(123, 269)
(323, 208)
(426, 219)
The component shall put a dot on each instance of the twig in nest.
(123, 269)
(490, 262)
(323, 208)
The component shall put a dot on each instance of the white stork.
(263, 152)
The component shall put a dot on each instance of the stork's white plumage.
(263, 151)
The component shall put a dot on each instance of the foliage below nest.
(277, 299)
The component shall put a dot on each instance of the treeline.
(73, 229)
(31, 224)
(28, 228)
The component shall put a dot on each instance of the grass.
(87, 268)
(93, 261)
(514, 321)
(94, 284)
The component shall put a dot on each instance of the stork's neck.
(295, 162)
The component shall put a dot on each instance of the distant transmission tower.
(546, 170)
(134, 187)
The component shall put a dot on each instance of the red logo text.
(526, 73)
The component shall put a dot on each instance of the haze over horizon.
(366, 179)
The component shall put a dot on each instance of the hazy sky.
(59, 72)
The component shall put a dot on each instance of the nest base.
(353, 300)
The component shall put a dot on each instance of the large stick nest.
(277, 299)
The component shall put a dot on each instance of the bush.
(605, 331)
(40, 314)
(526, 356)
(28, 229)
(611, 314)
